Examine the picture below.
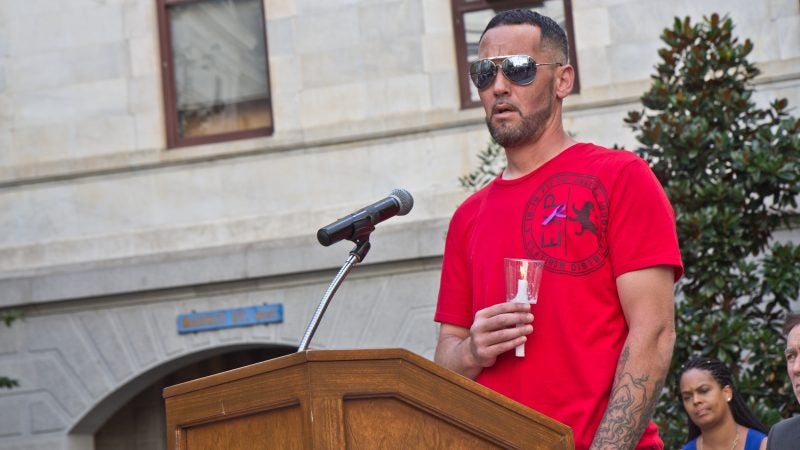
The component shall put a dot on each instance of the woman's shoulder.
(754, 438)
(691, 445)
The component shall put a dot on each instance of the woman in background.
(719, 419)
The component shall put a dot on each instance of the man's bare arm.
(647, 300)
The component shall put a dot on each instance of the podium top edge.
(294, 359)
(360, 354)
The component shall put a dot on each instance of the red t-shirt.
(591, 214)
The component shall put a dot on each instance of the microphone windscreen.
(405, 200)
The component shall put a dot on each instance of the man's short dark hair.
(792, 320)
(553, 36)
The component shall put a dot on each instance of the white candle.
(521, 297)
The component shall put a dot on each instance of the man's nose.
(500, 84)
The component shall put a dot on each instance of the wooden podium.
(351, 399)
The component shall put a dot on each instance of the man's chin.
(504, 140)
(501, 125)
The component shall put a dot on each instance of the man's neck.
(526, 158)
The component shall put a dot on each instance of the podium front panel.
(281, 428)
(353, 399)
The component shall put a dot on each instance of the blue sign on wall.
(228, 318)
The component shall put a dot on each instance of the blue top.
(753, 442)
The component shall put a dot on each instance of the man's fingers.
(501, 335)
(487, 353)
(502, 321)
(504, 307)
(512, 320)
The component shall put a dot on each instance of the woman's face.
(704, 399)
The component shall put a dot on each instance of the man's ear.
(565, 78)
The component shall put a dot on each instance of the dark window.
(214, 69)
(470, 18)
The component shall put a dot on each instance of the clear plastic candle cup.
(523, 277)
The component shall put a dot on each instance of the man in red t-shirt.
(599, 351)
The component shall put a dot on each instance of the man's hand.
(495, 330)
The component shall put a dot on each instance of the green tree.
(731, 171)
(492, 162)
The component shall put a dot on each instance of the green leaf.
(8, 383)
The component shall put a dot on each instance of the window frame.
(174, 139)
(460, 7)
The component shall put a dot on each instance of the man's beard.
(529, 130)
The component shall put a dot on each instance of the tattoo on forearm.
(629, 409)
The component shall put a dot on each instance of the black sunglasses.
(519, 69)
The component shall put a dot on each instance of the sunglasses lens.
(520, 69)
(482, 72)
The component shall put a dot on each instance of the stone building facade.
(107, 235)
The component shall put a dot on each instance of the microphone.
(398, 203)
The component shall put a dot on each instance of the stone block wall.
(106, 235)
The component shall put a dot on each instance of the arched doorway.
(141, 422)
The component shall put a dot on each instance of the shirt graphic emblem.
(565, 224)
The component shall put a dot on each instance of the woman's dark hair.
(722, 374)
(553, 36)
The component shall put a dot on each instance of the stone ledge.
(416, 240)
(319, 138)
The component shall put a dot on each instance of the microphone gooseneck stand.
(357, 255)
